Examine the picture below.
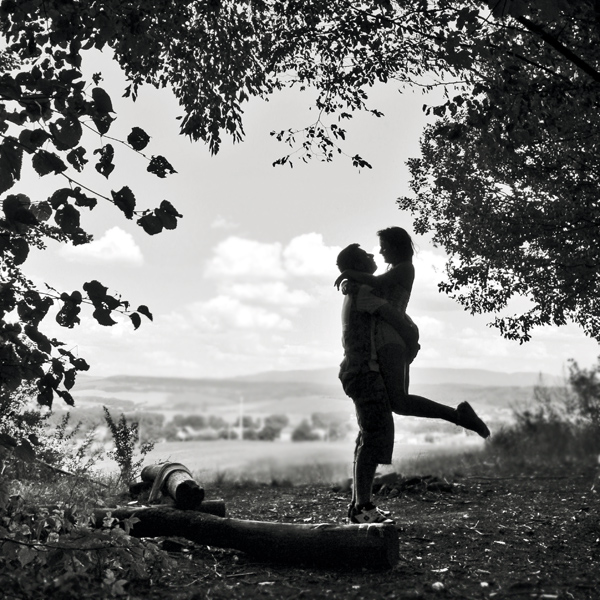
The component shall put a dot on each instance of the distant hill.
(419, 375)
(300, 392)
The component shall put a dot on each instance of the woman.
(394, 353)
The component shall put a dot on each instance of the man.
(362, 381)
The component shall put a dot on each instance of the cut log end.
(188, 495)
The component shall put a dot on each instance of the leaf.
(11, 158)
(66, 133)
(125, 200)
(111, 302)
(160, 166)
(69, 380)
(102, 123)
(359, 162)
(80, 364)
(167, 215)
(32, 139)
(136, 320)
(95, 290)
(60, 197)
(7, 440)
(9, 88)
(102, 101)
(82, 200)
(25, 452)
(169, 208)
(143, 309)
(151, 224)
(102, 315)
(105, 165)
(42, 210)
(45, 162)
(45, 396)
(16, 207)
(20, 250)
(167, 219)
(26, 555)
(68, 315)
(138, 139)
(36, 336)
(76, 158)
(67, 218)
(66, 397)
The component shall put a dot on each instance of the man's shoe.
(352, 510)
(369, 513)
(468, 419)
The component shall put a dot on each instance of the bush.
(561, 427)
(126, 438)
(304, 433)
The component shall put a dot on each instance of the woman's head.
(396, 245)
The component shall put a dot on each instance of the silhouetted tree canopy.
(506, 183)
(508, 178)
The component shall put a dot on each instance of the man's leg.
(364, 474)
(374, 445)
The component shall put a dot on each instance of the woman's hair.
(400, 242)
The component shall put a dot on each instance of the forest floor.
(488, 534)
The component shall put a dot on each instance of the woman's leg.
(395, 373)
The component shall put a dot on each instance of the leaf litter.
(482, 537)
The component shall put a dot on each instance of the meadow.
(311, 462)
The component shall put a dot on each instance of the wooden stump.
(176, 481)
(357, 546)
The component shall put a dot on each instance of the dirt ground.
(485, 536)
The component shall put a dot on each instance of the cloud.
(224, 313)
(304, 256)
(307, 255)
(115, 246)
(221, 222)
(430, 266)
(272, 292)
(261, 285)
(239, 257)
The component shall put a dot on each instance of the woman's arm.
(402, 274)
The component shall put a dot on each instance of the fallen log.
(212, 507)
(175, 480)
(326, 544)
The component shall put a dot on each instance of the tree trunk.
(327, 544)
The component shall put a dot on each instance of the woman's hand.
(347, 274)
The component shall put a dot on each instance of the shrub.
(304, 433)
(561, 426)
(126, 438)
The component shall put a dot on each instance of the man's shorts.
(376, 423)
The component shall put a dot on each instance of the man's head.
(354, 257)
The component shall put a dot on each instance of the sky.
(245, 282)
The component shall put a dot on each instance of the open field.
(265, 460)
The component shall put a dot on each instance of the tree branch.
(560, 47)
